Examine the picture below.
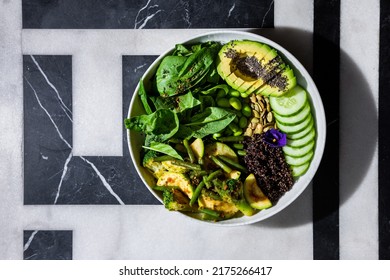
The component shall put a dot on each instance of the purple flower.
(275, 138)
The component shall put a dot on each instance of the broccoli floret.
(149, 155)
(175, 200)
(231, 190)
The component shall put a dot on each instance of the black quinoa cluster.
(269, 166)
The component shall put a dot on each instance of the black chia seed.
(250, 66)
(269, 166)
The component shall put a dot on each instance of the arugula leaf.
(163, 148)
(144, 97)
(163, 123)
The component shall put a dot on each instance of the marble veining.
(60, 177)
(47, 244)
(151, 14)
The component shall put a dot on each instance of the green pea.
(237, 133)
(244, 95)
(223, 102)
(217, 135)
(246, 110)
(221, 93)
(234, 127)
(234, 93)
(235, 103)
(243, 122)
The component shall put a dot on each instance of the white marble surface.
(151, 232)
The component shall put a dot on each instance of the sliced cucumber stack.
(293, 116)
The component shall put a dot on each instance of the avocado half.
(253, 67)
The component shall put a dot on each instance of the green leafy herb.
(163, 122)
(164, 149)
(187, 101)
(144, 97)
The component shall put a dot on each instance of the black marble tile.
(47, 244)
(52, 175)
(326, 62)
(102, 14)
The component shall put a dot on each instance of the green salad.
(227, 129)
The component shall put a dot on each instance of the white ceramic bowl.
(135, 140)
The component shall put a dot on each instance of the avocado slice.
(172, 179)
(198, 148)
(254, 195)
(208, 201)
(246, 65)
(218, 149)
(253, 67)
(279, 84)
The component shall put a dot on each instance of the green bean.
(232, 163)
(221, 164)
(223, 102)
(231, 139)
(196, 193)
(213, 175)
(210, 212)
(246, 110)
(234, 127)
(164, 188)
(238, 146)
(163, 158)
(192, 166)
(241, 152)
(235, 103)
(189, 151)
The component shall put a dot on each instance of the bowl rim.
(317, 111)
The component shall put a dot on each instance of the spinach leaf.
(182, 50)
(160, 102)
(144, 97)
(214, 88)
(178, 74)
(163, 148)
(210, 121)
(187, 101)
(167, 79)
(163, 123)
(210, 114)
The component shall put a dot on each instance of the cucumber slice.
(289, 103)
(294, 119)
(299, 160)
(299, 170)
(302, 141)
(289, 129)
(298, 151)
(302, 133)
